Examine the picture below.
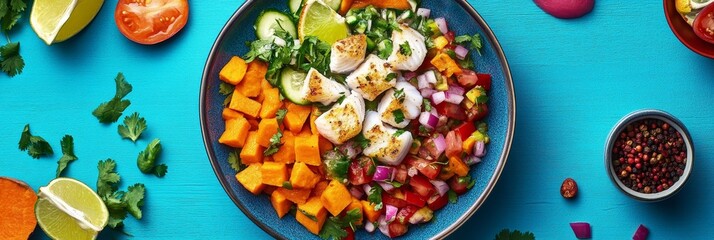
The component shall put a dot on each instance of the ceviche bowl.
(463, 19)
(685, 32)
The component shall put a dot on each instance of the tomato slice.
(436, 201)
(150, 22)
(704, 24)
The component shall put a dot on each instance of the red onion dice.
(441, 186)
(581, 229)
(439, 97)
(641, 233)
(390, 213)
(424, 12)
(428, 120)
(383, 173)
(566, 8)
(479, 149)
(439, 144)
(461, 52)
(441, 23)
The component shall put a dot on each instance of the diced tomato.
(401, 174)
(467, 78)
(397, 229)
(414, 199)
(451, 110)
(449, 36)
(436, 201)
(427, 168)
(388, 199)
(430, 152)
(350, 234)
(421, 185)
(477, 112)
(459, 184)
(484, 80)
(405, 213)
(359, 172)
(465, 130)
(453, 145)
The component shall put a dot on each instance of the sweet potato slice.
(17, 208)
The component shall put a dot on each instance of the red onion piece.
(356, 192)
(441, 23)
(479, 149)
(388, 187)
(421, 82)
(471, 160)
(383, 173)
(438, 97)
(427, 92)
(581, 229)
(453, 89)
(350, 149)
(367, 188)
(428, 120)
(566, 8)
(383, 226)
(424, 12)
(441, 186)
(461, 52)
(410, 75)
(453, 98)
(430, 77)
(369, 226)
(390, 213)
(641, 233)
(439, 144)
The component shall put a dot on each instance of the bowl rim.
(649, 114)
(508, 138)
(667, 6)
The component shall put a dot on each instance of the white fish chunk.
(372, 78)
(403, 99)
(348, 53)
(343, 121)
(416, 43)
(318, 88)
(387, 144)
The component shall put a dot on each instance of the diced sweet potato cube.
(236, 132)
(286, 152)
(274, 174)
(230, 114)
(266, 129)
(369, 212)
(252, 152)
(296, 116)
(271, 103)
(251, 84)
(234, 71)
(250, 178)
(241, 103)
(319, 188)
(336, 197)
(302, 177)
(296, 195)
(307, 150)
(356, 204)
(280, 203)
(312, 215)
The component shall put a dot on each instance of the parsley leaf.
(334, 227)
(384, 48)
(506, 234)
(133, 127)
(362, 141)
(225, 88)
(427, 105)
(234, 161)
(68, 156)
(36, 146)
(11, 62)
(274, 143)
(398, 115)
(375, 197)
(280, 114)
(119, 203)
(287, 185)
(405, 49)
(390, 77)
(147, 159)
(110, 111)
(342, 98)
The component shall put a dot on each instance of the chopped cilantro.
(399, 94)
(36, 146)
(225, 89)
(361, 141)
(147, 159)
(287, 185)
(133, 127)
(280, 114)
(384, 48)
(474, 41)
(342, 98)
(234, 161)
(398, 116)
(337, 164)
(68, 156)
(274, 143)
(10, 60)
(453, 198)
(119, 203)
(310, 216)
(334, 227)
(427, 105)
(405, 49)
(375, 197)
(110, 111)
(399, 132)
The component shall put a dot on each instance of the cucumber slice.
(334, 4)
(290, 83)
(270, 20)
(295, 5)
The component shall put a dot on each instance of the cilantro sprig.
(147, 159)
(11, 62)
(334, 227)
(119, 203)
(375, 197)
(36, 146)
(133, 127)
(474, 41)
(109, 112)
(274, 143)
(68, 156)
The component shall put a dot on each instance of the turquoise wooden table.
(574, 80)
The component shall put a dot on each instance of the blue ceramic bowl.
(463, 19)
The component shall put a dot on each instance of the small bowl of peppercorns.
(649, 155)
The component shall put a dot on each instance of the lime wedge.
(69, 209)
(57, 20)
(319, 20)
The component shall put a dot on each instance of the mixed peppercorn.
(649, 156)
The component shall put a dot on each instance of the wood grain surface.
(574, 80)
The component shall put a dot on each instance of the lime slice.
(57, 20)
(69, 209)
(319, 20)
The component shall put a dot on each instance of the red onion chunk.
(582, 230)
(356, 192)
(479, 149)
(383, 173)
(430, 77)
(471, 160)
(456, 90)
(441, 186)
(424, 12)
(461, 52)
(427, 92)
(421, 82)
(566, 8)
(369, 226)
(441, 23)
(641, 233)
(388, 187)
(409, 75)
(367, 188)
(428, 120)
(390, 213)
(439, 144)
(383, 226)
(438, 97)
(453, 98)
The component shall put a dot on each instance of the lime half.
(69, 209)
(57, 20)
(319, 20)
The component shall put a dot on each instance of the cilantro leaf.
(427, 105)
(234, 161)
(161, 170)
(334, 227)
(110, 111)
(274, 143)
(108, 178)
(280, 114)
(399, 94)
(405, 49)
(474, 41)
(10, 19)
(399, 132)
(506, 234)
(133, 127)
(375, 197)
(362, 141)
(147, 158)
(134, 199)
(398, 115)
(11, 62)
(68, 156)
(18, 5)
(453, 198)
(390, 77)
(36, 146)
(287, 185)
(225, 88)
(337, 164)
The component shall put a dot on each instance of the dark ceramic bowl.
(464, 19)
(641, 115)
(684, 31)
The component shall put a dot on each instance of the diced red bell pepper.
(451, 110)
(484, 80)
(414, 199)
(421, 185)
(388, 199)
(436, 201)
(465, 130)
